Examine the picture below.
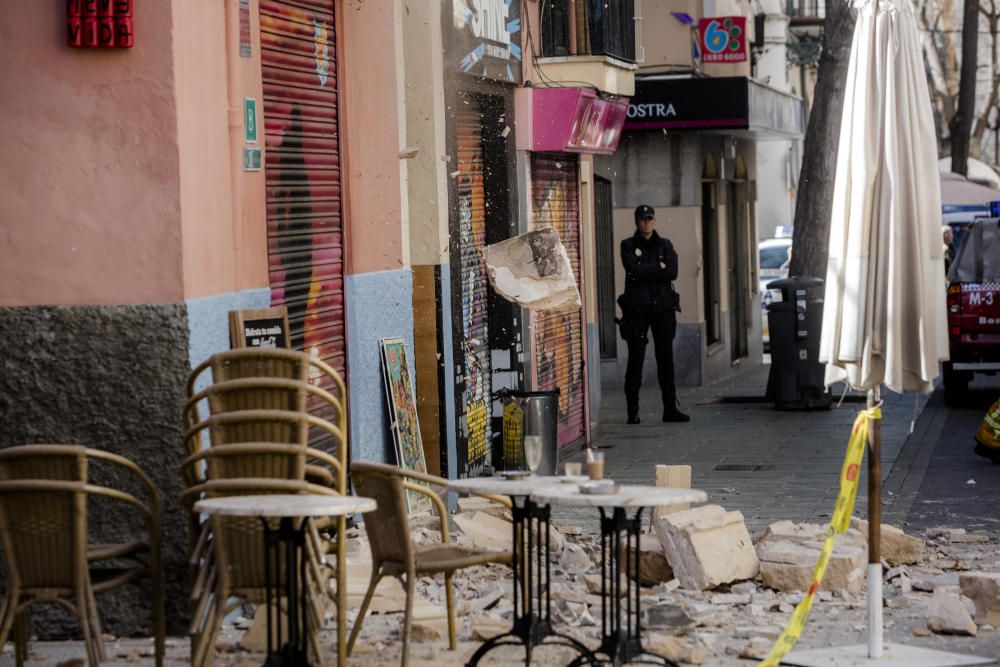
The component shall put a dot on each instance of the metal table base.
(532, 607)
(286, 575)
(620, 644)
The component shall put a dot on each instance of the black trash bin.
(529, 413)
(796, 377)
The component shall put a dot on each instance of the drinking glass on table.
(533, 451)
(595, 464)
(573, 469)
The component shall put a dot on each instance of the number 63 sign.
(723, 39)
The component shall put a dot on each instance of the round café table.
(529, 562)
(290, 535)
(620, 645)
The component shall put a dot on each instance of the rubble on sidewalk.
(896, 547)
(947, 614)
(653, 566)
(983, 588)
(707, 546)
(788, 554)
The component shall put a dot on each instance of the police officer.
(649, 303)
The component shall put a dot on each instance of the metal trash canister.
(796, 381)
(529, 413)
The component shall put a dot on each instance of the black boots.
(672, 414)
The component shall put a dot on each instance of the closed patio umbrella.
(884, 318)
(884, 313)
(957, 190)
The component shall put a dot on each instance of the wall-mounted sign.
(245, 28)
(252, 159)
(92, 24)
(711, 102)
(485, 38)
(576, 120)
(723, 39)
(250, 120)
(262, 327)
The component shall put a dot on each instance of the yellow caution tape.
(849, 475)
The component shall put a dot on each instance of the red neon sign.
(92, 24)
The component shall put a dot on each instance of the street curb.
(907, 473)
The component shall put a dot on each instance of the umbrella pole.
(874, 528)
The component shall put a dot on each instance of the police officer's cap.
(643, 212)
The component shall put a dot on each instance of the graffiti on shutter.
(475, 399)
(559, 336)
(302, 174)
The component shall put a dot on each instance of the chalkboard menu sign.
(265, 327)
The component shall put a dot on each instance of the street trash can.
(529, 413)
(796, 381)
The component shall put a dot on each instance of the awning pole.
(874, 528)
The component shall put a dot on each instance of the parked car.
(775, 254)
(973, 308)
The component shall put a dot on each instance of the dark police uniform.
(650, 303)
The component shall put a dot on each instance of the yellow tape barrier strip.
(849, 474)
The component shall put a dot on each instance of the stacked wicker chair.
(267, 421)
(44, 492)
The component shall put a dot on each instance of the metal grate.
(742, 467)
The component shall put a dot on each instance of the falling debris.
(533, 270)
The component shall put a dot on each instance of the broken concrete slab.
(983, 588)
(533, 270)
(653, 566)
(487, 531)
(897, 548)
(678, 477)
(947, 615)
(668, 617)
(677, 649)
(788, 554)
(707, 546)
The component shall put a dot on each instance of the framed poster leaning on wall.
(402, 406)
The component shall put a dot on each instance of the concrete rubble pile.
(710, 593)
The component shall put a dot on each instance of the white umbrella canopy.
(884, 318)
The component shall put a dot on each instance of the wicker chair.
(276, 363)
(44, 491)
(393, 552)
(234, 566)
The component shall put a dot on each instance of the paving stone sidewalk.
(794, 457)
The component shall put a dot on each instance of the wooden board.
(262, 327)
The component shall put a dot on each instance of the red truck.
(973, 309)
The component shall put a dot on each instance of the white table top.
(627, 496)
(281, 505)
(504, 487)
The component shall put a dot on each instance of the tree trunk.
(810, 237)
(961, 124)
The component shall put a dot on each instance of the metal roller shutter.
(555, 201)
(475, 401)
(302, 171)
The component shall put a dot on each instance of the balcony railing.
(602, 28)
(805, 9)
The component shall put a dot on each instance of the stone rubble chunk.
(428, 631)
(730, 598)
(983, 588)
(788, 554)
(757, 649)
(929, 584)
(744, 587)
(667, 587)
(677, 649)
(668, 617)
(922, 631)
(593, 582)
(487, 532)
(574, 560)
(561, 591)
(947, 615)
(897, 547)
(474, 504)
(707, 546)
(653, 566)
(485, 628)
